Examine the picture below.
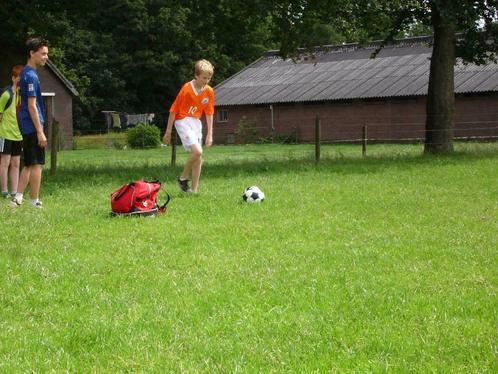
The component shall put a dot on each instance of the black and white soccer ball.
(253, 194)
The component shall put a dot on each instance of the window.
(222, 115)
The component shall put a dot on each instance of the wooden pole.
(173, 147)
(54, 147)
(51, 131)
(317, 139)
(364, 140)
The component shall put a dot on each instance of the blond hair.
(203, 66)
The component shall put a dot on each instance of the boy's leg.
(35, 181)
(23, 182)
(4, 169)
(24, 179)
(194, 155)
(192, 166)
(14, 172)
(34, 159)
(187, 168)
(190, 132)
(196, 164)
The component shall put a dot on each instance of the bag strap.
(162, 208)
(10, 92)
(11, 97)
(121, 193)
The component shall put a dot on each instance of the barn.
(347, 90)
(58, 93)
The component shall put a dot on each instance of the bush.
(286, 139)
(143, 136)
(246, 131)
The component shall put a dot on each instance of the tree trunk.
(441, 96)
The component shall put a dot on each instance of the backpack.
(11, 96)
(137, 198)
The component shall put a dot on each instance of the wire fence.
(372, 132)
(336, 134)
(331, 133)
(344, 129)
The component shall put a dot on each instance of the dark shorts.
(10, 147)
(33, 153)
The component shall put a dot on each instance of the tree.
(448, 18)
(133, 55)
(464, 28)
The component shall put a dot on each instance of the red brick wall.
(63, 103)
(390, 119)
(477, 116)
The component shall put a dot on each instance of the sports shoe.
(37, 204)
(14, 203)
(183, 184)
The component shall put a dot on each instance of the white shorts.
(190, 131)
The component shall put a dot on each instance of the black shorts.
(33, 153)
(10, 147)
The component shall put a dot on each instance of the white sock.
(19, 196)
(34, 201)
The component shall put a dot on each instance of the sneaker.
(6, 195)
(183, 184)
(14, 203)
(37, 204)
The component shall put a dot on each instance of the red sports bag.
(137, 198)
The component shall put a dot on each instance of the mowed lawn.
(368, 265)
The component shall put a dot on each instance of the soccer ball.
(253, 194)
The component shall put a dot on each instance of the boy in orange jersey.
(195, 98)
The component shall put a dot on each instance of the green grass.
(100, 141)
(380, 264)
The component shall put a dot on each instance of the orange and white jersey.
(191, 103)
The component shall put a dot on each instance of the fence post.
(54, 144)
(173, 147)
(317, 139)
(364, 140)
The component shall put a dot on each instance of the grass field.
(100, 141)
(368, 265)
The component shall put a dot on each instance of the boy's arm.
(33, 112)
(209, 135)
(169, 127)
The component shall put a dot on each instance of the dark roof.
(347, 72)
(63, 79)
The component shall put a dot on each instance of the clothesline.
(118, 120)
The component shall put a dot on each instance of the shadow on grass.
(117, 173)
